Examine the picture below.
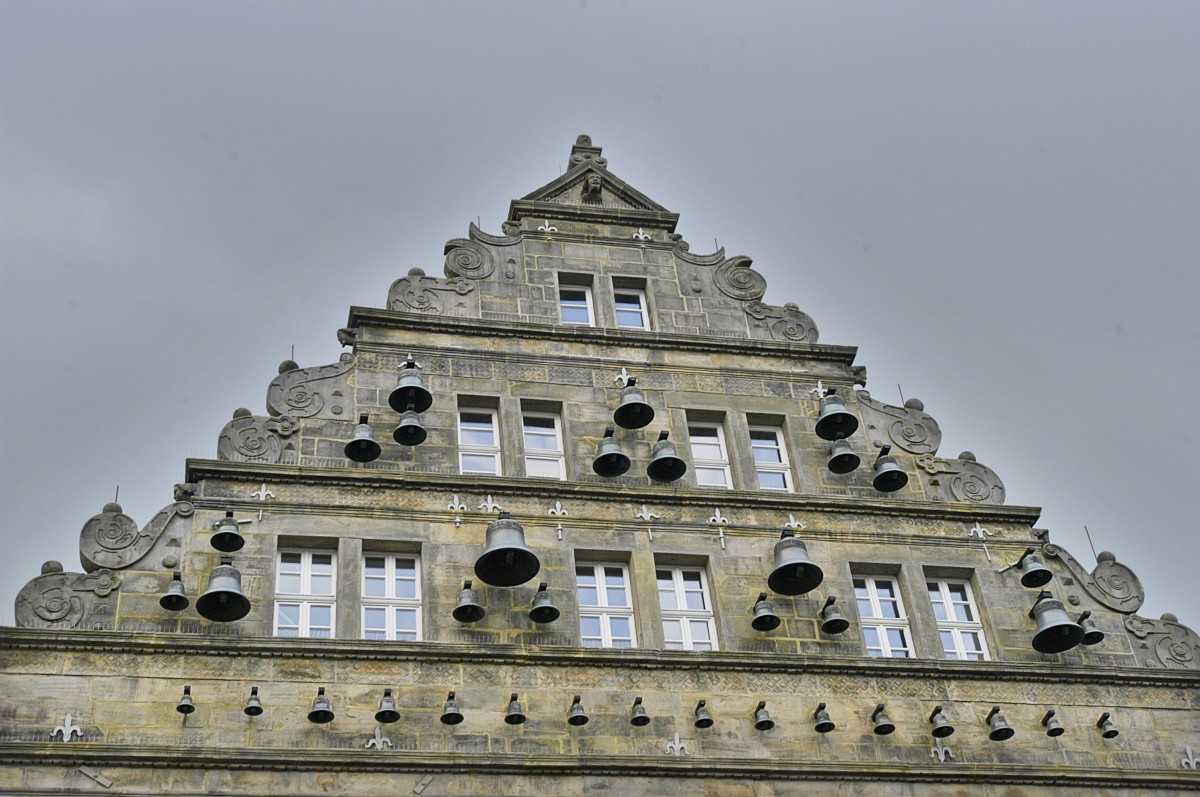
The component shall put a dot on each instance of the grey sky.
(999, 203)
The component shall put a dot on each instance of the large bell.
(1034, 574)
(468, 610)
(577, 716)
(765, 618)
(665, 465)
(703, 718)
(835, 421)
(174, 600)
(515, 715)
(253, 704)
(1056, 632)
(832, 621)
(637, 715)
(633, 412)
(941, 726)
(1000, 730)
(762, 720)
(362, 447)
(410, 390)
(888, 476)
(506, 562)
(387, 708)
(883, 724)
(610, 460)
(185, 705)
(1052, 725)
(223, 601)
(842, 458)
(322, 711)
(410, 432)
(226, 538)
(451, 714)
(1091, 634)
(794, 572)
(824, 723)
(544, 610)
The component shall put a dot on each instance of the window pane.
(375, 566)
(864, 608)
(616, 596)
(406, 589)
(620, 628)
(710, 477)
(895, 637)
(704, 450)
(885, 588)
(287, 614)
(939, 608)
(476, 437)
(374, 587)
(290, 562)
(321, 584)
(948, 644)
(770, 480)
(541, 442)
(543, 468)
(406, 620)
(627, 318)
(289, 583)
(589, 626)
(860, 588)
(871, 636)
(575, 315)
(971, 642)
(699, 629)
(628, 301)
(588, 596)
(479, 463)
(319, 616)
(374, 618)
(703, 434)
(666, 590)
(958, 592)
(573, 295)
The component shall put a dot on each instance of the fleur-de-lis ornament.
(380, 741)
(489, 505)
(557, 509)
(1188, 763)
(677, 747)
(67, 729)
(940, 752)
(719, 518)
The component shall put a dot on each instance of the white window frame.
(643, 310)
(602, 610)
(474, 449)
(305, 600)
(587, 304)
(708, 463)
(878, 622)
(389, 602)
(554, 455)
(783, 466)
(957, 628)
(683, 615)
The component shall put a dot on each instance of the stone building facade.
(354, 571)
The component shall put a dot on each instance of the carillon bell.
(842, 458)
(633, 412)
(888, 476)
(637, 715)
(665, 465)
(362, 447)
(468, 610)
(223, 601)
(410, 432)
(174, 600)
(824, 723)
(506, 562)
(253, 704)
(765, 618)
(1052, 725)
(1000, 730)
(794, 572)
(185, 705)
(941, 726)
(322, 711)
(577, 716)
(451, 714)
(387, 708)
(762, 720)
(1056, 632)
(410, 390)
(1091, 634)
(1034, 574)
(1107, 729)
(835, 421)
(883, 724)
(610, 460)
(832, 621)
(515, 715)
(544, 610)
(703, 718)
(227, 538)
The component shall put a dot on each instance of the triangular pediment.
(591, 185)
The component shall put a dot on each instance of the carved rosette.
(908, 428)
(1165, 642)
(111, 539)
(59, 600)
(962, 479)
(319, 392)
(737, 280)
(250, 438)
(468, 259)
(418, 293)
(1110, 584)
(783, 323)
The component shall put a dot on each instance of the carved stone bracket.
(1110, 584)
(909, 428)
(250, 438)
(320, 392)
(783, 323)
(962, 479)
(418, 293)
(1165, 642)
(111, 539)
(59, 600)
(468, 259)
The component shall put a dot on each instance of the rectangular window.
(709, 459)
(630, 305)
(881, 615)
(543, 445)
(391, 597)
(478, 442)
(605, 606)
(686, 610)
(305, 585)
(770, 458)
(575, 304)
(958, 620)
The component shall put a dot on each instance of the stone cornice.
(594, 214)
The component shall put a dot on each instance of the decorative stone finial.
(583, 151)
(242, 412)
(112, 508)
(51, 566)
(288, 365)
(915, 404)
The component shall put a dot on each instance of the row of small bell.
(470, 610)
(665, 463)
(1056, 631)
(363, 448)
(765, 618)
(253, 707)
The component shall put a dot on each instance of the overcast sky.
(998, 203)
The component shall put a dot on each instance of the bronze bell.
(226, 538)
(1052, 725)
(703, 718)
(610, 460)
(387, 708)
(1107, 729)
(577, 716)
(941, 726)
(842, 458)
(765, 618)
(514, 715)
(321, 712)
(832, 621)
(362, 447)
(824, 723)
(223, 601)
(1034, 574)
(544, 610)
(888, 476)
(665, 465)
(794, 572)
(762, 720)
(506, 562)
(410, 391)
(883, 724)
(253, 704)
(637, 715)
(175, 600)
(633, 412)
(835, 421)
(410, 432)
(451, 714)
(1000, 730)
(185, 705)
(1091, 634)
(468, 610)
(1055, 630)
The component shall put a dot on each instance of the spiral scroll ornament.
(909, 428)
(737, 280)
(1111, 583)
(1173, 645)
(58, 600)
(468, 259)
(253, 439)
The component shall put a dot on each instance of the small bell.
(1055, 630)
(577, 716)
(832, 621)
(514, 715)
(506, 562)
(387, 708)
(883, 725)
(637, 715)
(410, 432)
(185, 705)
(544, 610)
(253, 704)
(762, 720)
(941, 726)
(410, 392)
(468, 610)
(633, 412)
(888, 476)
(1034, 574)
(362, 447)
(321, 712)
(842, 458)
(665, 465)
(703, 718)
(1052, 725)
(765, 618)
(610, 460)
(835, 421)
(1091, 634)
(223, 601)
(794, 572)
(174, 600)
(1000, 730)
(1107, 729)
(824, 723)
(451, 715)
(226, 538)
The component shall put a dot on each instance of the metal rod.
(1093, 547)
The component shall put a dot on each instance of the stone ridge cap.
(428, 761)
(151, 643)
(197, 469)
